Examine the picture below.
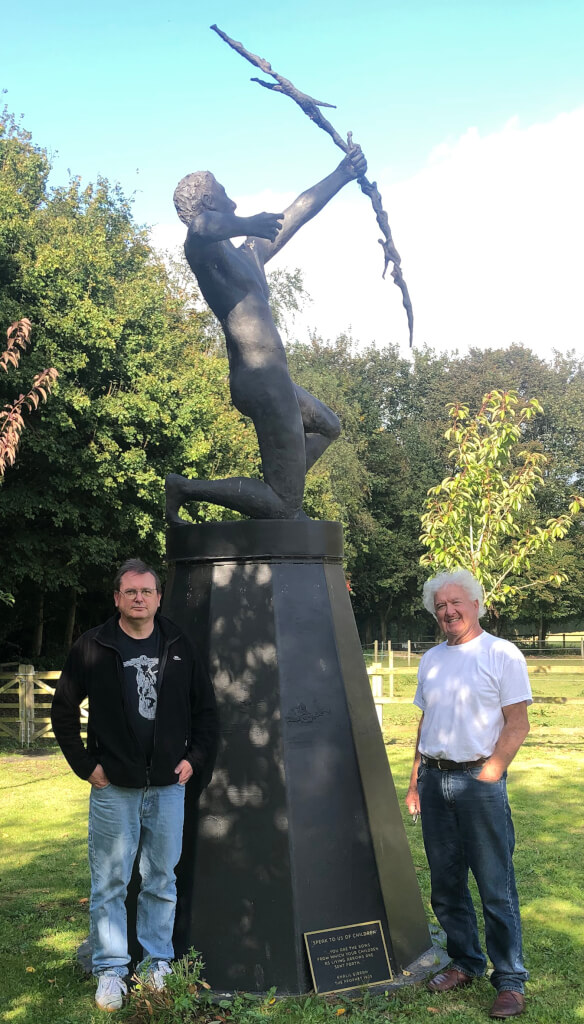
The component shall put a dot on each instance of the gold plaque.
(348, 957)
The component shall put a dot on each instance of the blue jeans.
(467, 825)
(123, 823)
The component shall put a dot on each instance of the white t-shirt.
(462, 689)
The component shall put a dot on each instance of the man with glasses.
(152, 726)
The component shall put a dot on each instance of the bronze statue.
(293, 427)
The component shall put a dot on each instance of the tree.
(375, 477)
(139, 395)
(545, 603)
(483, 517)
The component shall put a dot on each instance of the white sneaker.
(110, 992)
(157, 974)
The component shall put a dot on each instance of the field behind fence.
(553, 680)
(26, 695)
(557, 645)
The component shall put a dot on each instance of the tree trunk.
(68, 638)
(383, 617)
(542, 629)
(496, 621)
(37, 637)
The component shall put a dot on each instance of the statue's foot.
(175, 493)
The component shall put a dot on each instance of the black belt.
(451, 766)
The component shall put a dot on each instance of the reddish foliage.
(11, 420)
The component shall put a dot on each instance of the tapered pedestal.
(300, 828)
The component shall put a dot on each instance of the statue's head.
(197, 192)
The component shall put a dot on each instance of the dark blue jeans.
(467, 825)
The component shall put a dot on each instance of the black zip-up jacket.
(186, 724)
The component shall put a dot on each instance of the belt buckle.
(439, 763)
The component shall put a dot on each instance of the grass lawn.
(44, 882)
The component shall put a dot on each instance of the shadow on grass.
(43, 918)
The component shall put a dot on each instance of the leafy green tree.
(336, 486)
(545, 604)
(482, 516)
(401, 459)
(288, 296)
(378, 472)
(139, 394)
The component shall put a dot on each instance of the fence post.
(375, 651)
(582, 648)
(26, 704)
(390, 664)
(22, 704)
(377, 690)
(409, 653)
(29, 704)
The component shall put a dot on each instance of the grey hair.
(461, 578)
(191, 192)
(135, 565)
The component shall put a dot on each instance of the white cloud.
(490, 234)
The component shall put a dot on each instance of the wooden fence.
(380, 675)
(567, 645)
(25, 700)
(25, 705)
(25, 696)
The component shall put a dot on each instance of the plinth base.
(300, 828)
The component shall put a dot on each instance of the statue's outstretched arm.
(311, 202)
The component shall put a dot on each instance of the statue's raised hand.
(265, 225)
(354, 165)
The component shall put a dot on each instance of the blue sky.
(144, 93)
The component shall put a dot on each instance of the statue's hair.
(191, 192)
(461, 578)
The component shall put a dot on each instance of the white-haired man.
(473, 692)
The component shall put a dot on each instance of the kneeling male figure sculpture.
(293, 427)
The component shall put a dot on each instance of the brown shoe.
(448, 980)
(508, 1004)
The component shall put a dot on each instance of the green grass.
(44, 877)
(44, 886)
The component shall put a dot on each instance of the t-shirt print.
(146, 676)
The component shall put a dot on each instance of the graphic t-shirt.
(141, 659)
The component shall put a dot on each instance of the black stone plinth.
(300, 828)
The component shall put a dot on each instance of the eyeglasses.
(145, 592)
